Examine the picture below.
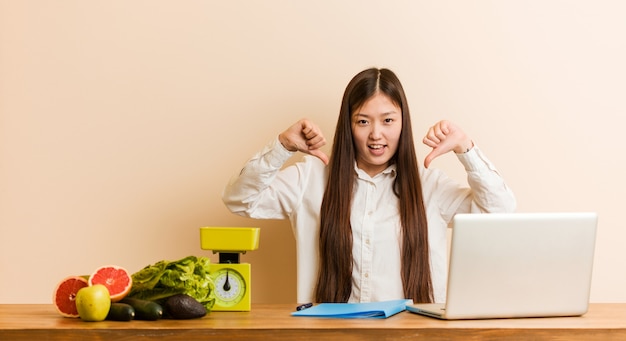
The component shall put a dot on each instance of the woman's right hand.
(306, 137)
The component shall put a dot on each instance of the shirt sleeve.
(487, 192)
(261, 190)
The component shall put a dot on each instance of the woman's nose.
(375, 131)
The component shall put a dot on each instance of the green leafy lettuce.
(163, 279)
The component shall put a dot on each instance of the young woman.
(369, 223)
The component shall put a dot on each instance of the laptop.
(513, 265)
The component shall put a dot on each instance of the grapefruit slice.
(64, 297)
(115, 278)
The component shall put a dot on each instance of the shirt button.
(367, 241)
(367, 275)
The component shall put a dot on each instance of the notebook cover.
(382, 309)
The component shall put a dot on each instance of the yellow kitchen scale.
(232, 278)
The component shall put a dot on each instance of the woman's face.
(376, 128)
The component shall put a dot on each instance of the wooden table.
(273, 322)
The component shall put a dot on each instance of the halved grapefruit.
(64, 297)
(115, 278)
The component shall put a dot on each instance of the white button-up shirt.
(265, 190)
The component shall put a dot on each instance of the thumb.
(431, 156)
(319, 154)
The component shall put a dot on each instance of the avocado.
(183, 306)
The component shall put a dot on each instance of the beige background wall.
(121, 121)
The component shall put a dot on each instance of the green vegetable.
(121, 312)
(164, 279)
(144, 310)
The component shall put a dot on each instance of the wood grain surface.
(274, 322)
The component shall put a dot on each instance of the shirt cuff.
(474, 160)
(276, 154)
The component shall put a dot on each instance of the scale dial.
(230, 287)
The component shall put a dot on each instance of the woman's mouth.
(377, 149)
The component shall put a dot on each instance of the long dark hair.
(334, 282)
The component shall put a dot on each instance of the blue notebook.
(382, 309)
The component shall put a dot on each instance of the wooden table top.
(273, 321)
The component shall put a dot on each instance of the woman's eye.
(361, 122)
(388, 120)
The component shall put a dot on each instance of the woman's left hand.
(443, 137)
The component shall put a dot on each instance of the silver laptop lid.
(520, 265)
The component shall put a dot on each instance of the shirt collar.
(389, 171)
